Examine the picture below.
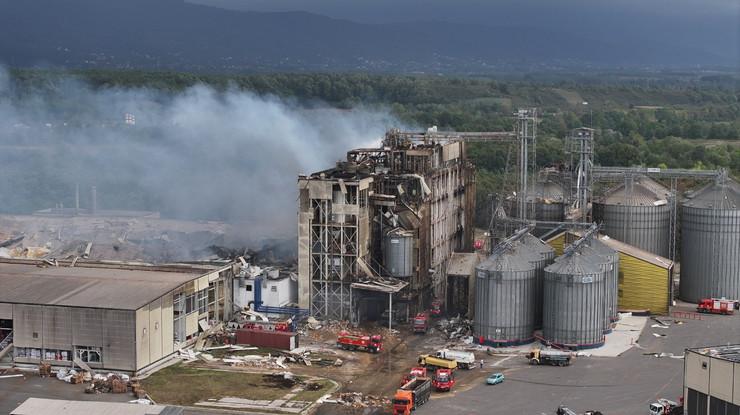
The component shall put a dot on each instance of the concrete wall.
(718, 378)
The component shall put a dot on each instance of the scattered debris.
(658, 335)
(658, 326)
(357, 400)
(456, 328)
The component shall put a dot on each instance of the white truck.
(464, 359)
(665, 407)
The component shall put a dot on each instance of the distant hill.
(171, 34)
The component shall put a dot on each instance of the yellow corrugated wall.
(643, 285)
(558, 244)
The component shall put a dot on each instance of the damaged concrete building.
(109, 316)
(381, 226)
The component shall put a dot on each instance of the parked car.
(495, 378)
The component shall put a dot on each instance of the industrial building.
(264, 288)
(110, 316)
(712, 380)
(384, 224)
(37, 406)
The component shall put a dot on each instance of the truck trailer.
(465, 360)
(411, 396)
(549, 357)
(437, 362)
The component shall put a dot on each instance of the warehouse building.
(110, 316)
(712, 380)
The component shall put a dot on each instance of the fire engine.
(349, 341)
(443, 380)
(716, 306)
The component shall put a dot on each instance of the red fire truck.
(349, 341)
(716, 306)
(415, 372)
(443, 380)
(420, 323)
(436, 310)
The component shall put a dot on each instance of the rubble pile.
(110, 383)
(358, 400)
(456, 327)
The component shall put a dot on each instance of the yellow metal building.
(644, 278)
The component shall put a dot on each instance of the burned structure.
(381, 226)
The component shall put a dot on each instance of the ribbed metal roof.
(513, 259)
(715, 196)
(575, 264)
(547, 191)
(535, 244)
(645, 192)
(121, 289)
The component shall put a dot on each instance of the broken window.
(89, 354)
(203, 301)
(189, 303)
(27, 352)
(50, 354)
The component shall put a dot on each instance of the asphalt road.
(624, 385)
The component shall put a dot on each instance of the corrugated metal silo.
(398, 250)
(546, 255)
(638, 214)
(544, 203)
(710, 243)
(608, 260)
(574, 302)
(505, 298)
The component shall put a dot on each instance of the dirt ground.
(379, 375)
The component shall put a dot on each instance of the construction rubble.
(356, 400)
(456, 327)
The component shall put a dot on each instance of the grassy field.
(183, 385)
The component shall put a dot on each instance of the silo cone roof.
(645, 192)
(716, 196)
(535, 244)
(574, 264)
(600, 247)
(547, 192)
(510, 260)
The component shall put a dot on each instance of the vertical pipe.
(94, 200)
(77, 199)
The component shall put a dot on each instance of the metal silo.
(544, 203)
(398, 250)
(546, 255)
(637, 213)
(505, 298)
(710, 242)
(574, 302)
(608, 260)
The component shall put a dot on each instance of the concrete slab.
(623, 337)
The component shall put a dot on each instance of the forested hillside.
(680, 122)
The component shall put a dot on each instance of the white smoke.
(201, 153)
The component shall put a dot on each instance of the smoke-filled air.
(197, 154)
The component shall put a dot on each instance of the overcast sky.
(497, 12)
(712, 25)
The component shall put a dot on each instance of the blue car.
(495, 379)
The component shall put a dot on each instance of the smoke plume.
(197, 154)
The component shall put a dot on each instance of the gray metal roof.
(547, 191)
(645, 192)
(37, 406)
(91, 287)
(715, 196)
(462, 263)
(729, 352)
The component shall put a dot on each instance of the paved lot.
(624, 385)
